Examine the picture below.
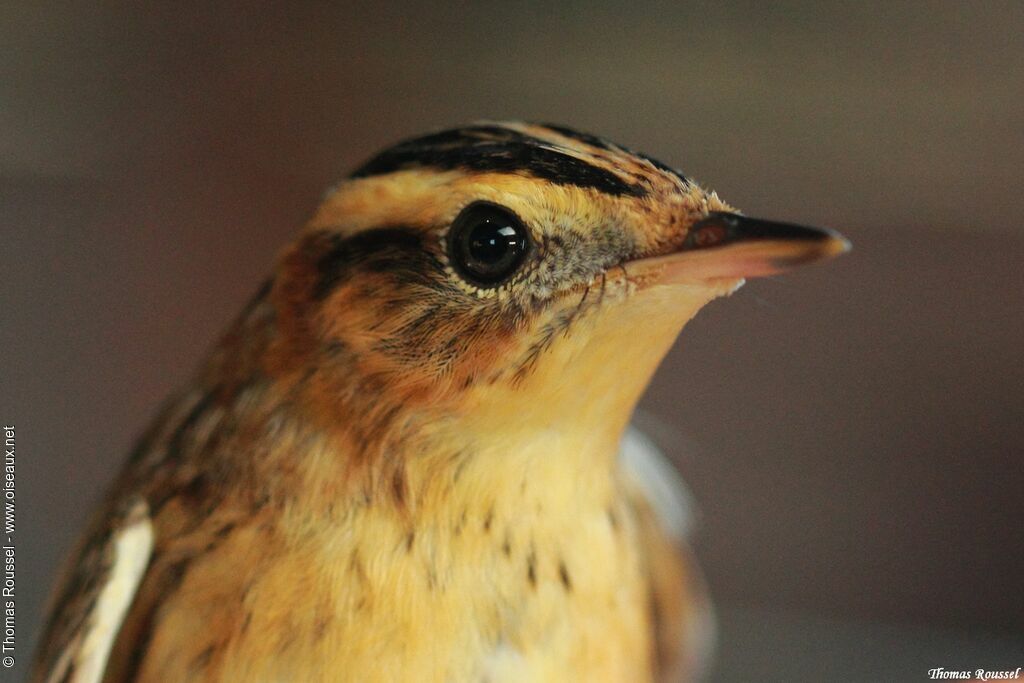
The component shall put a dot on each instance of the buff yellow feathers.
(401, 463)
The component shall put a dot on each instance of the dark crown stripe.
(462, 136)
(600, 143)
(500, 150)
(579, 136)
(661, 166)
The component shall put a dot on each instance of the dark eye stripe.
(393, 249)
(500, 150)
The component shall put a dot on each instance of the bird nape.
(401, 461)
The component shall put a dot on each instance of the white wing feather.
(650, 470)
(132, 546)
(667, 497)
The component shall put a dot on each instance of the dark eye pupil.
(487, 244)
(490, 243)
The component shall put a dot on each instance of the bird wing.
(680, 607)
(95, 597)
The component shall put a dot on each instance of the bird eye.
(487, 244)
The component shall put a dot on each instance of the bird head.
(509, 276)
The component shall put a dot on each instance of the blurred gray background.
(852, 432)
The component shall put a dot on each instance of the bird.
(403, 460)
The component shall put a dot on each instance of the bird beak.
(728, 245)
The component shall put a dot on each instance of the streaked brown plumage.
(400, 462)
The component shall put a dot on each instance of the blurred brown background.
(853, 433)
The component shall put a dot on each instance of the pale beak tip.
(835, 244)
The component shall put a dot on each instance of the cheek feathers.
(380, 303)
(575, 258)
